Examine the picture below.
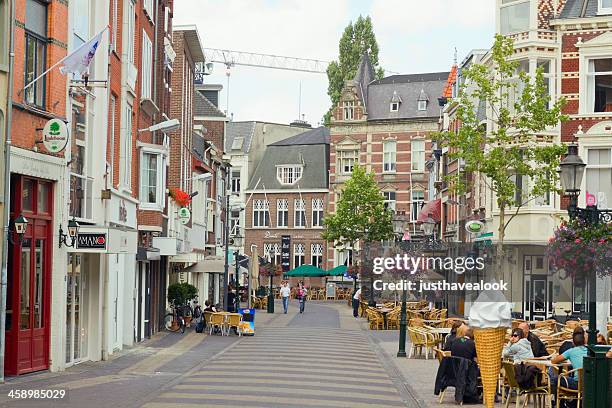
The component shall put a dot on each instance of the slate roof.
(237, 130)
(318, 135)
(410, 88)
(365, 74)
(311, 149)
(579, 9)
(203, 107)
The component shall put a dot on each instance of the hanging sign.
(91, 241)
(286, 252)
(184, 215)
(474, 226)
(55, 135)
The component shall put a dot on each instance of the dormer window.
(348, 108)
(422, 106)
(422, 101)
(289, 175)
(605, 7)
(395, 102)
(394, 106)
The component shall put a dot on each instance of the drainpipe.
(7, 187)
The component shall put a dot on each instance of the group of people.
(301, 294)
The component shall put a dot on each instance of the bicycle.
(174, 320)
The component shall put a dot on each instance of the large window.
(282, 212)
(235, 223)
(113, 112)
(78, 160)
(416, 203)
(3, 29)
(272, 251)
(317, 212)
(114, 24)
(151, 180)
(147, 5)
(316, 255)
(514, 16)
(131, 32)
(299, 220)
(235, 181)
(35, 52)
(599, 85)
(389, 200)
(348, 110)
(605, 7)
(389, 153)
(126, 150)
(288, 175)
(147, 66)
(299, 255)
(347, 159)
(417, 148)
(599, 175)
(261, 213)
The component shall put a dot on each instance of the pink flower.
(602, 241)
(577, 240)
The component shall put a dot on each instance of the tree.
(519, 109)
(357, 39)
(360, 214)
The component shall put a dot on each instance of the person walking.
(285, 291)
(302, 292)
(356, 302)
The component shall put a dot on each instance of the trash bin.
(597, 381)
(248, 321)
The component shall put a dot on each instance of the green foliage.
(520, 111)
(357, 39)
(181, 293)
(360, 213)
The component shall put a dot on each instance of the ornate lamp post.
(399, 226)
(571, 172)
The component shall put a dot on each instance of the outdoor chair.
(233, 320)
(565, 393)
(426, 341)
(538, 392)
(393, 319)
(377, 322)
(217, 321)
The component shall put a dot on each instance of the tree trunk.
(501, 231)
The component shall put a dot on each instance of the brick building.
(289, 190)
(385, 125)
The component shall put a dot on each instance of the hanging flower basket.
(180, 197)
(578, 249)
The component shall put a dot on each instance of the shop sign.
(184, 215)
(55, 135)
(475, 227)
(286, 252)
(96, 240)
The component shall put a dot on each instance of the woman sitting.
(463, 345)
(452, 335)
(519, 348)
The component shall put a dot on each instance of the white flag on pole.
(78, 62)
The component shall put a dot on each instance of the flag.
(78, 61)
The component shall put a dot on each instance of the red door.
(30, 278)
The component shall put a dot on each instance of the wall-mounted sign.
(184, 215)
(55, 135)
(268, 234)
(95, 240)
(475, 227)
(286, 252)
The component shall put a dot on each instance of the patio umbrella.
(337, 271)
(306, 271)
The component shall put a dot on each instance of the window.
(316, 255)
(605, 6)
(599, 85)
(282, 212)
(35, 53)
(389, 152)
(261, 213)
(78, 174)
(236, 181)
(422, 105)
(272, 252)
(299, 207)
(317, 212)
(548, 77)
(3, 29)
(394, 107)
(347, 159)
(599, 175)
(288, 175)
(126, 150)
(147, 66)
(514, 16)
(389, 200)
(113, 112)
(151, 180)
(418, 199)
(348, 108)
(147, 5)
(299, 255)
(344, 256)
(114, 24)
(235, 223)
(418, 155)
(131, 33)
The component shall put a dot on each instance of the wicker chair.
(233, 320)
(537, 392)
(217, 321)
(393, 319)
(566, 393)
(377, 322)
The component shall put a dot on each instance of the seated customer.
(208, 307)
(452, 335)
(519, 348)
(601, 340)
(463, 345)
(575, 355)
(568, 344)
(537, 347)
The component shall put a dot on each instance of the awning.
(337, 271)
(306, 271)
(210, 264)
(148, 254)
(190, 257)
(431, 208)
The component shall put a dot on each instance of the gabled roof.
(203, 107)
(239, 135)
(450, 81)
(579, 9)
(318, 135)
(364, 75)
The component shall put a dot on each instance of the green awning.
(306, 271)
(337, 271)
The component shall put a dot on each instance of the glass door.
(76, 310)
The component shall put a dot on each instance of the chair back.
(234, 319)
(439, 354)
(217, 318)
(510, 374)
(207, 316)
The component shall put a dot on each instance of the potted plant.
(179, 294)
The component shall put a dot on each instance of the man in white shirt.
(356, 301)
(285, 290)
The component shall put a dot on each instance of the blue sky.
(413, 36)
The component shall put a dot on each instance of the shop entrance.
(76, 309)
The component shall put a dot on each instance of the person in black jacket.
(464, 345)
(538, 348)
(460, 373)
(452, 335)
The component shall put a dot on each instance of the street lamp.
(73, 230)
(19, 225)
(428, 226)
(399, 227)
(571, 172)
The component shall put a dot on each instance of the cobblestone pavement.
(322, 358)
